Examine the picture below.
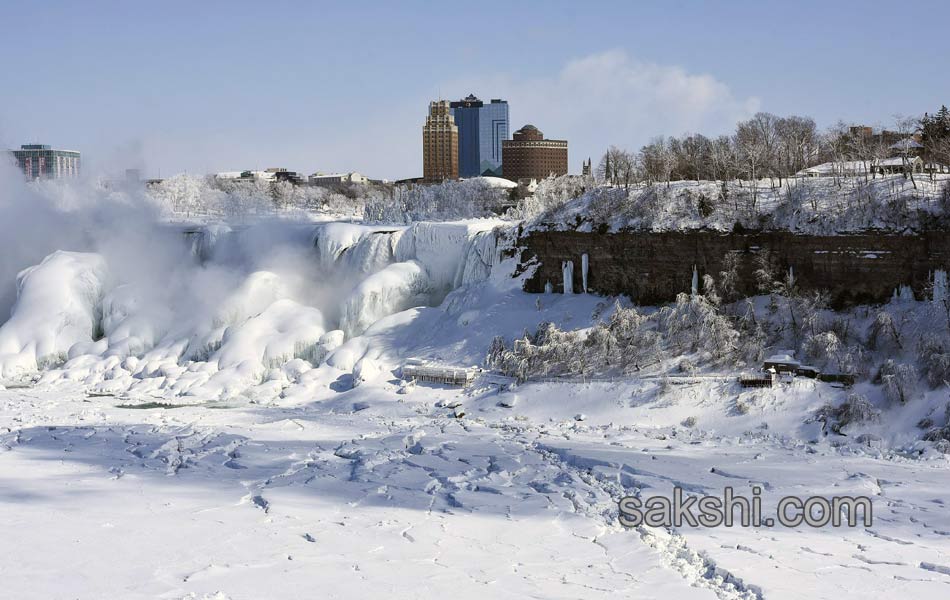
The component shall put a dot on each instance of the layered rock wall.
(653, 267)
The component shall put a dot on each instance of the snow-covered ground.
(218, 413)
(365, 492)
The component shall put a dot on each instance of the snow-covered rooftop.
(496, 182)
(906, 144)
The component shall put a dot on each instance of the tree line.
(773, 147)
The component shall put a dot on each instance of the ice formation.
(903, 293)
(258, 306)
(397, 287)
(567, 273)
(585, 268)
(57, 307)
(939, 286)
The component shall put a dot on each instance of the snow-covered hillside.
(824, 205)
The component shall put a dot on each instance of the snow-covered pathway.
(398, 498)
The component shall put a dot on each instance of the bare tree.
(868, 150)
(835, 149)
(724, 158)
(618, 167)
(755, 140)
(695, 157)
(657, 160)
(797, 142)
(905, 126)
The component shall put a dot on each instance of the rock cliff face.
(653, 268)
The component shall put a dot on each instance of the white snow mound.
(58, 305)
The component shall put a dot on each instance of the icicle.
(694, 289)
(549, 289)
(791, 276)
(903, 293)
(939, 285)
(907, 293)
(585, 267)
(567, 272)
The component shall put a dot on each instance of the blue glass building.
(482, 128)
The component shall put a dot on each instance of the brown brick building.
(529, 156)
(440, 144)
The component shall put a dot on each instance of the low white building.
(337, 178)
(438, 374)
(268, 175)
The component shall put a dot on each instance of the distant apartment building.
(331, 179)
(39, 161)
(482, 129)
(529, 156)
(440, 147)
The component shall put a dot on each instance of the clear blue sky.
(209, 86)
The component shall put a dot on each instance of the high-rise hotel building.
(440, 144)
(39, 161)
(482, 129)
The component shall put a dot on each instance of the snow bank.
(58, 305)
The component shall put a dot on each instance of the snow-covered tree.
(933, 356)
(899, 381)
